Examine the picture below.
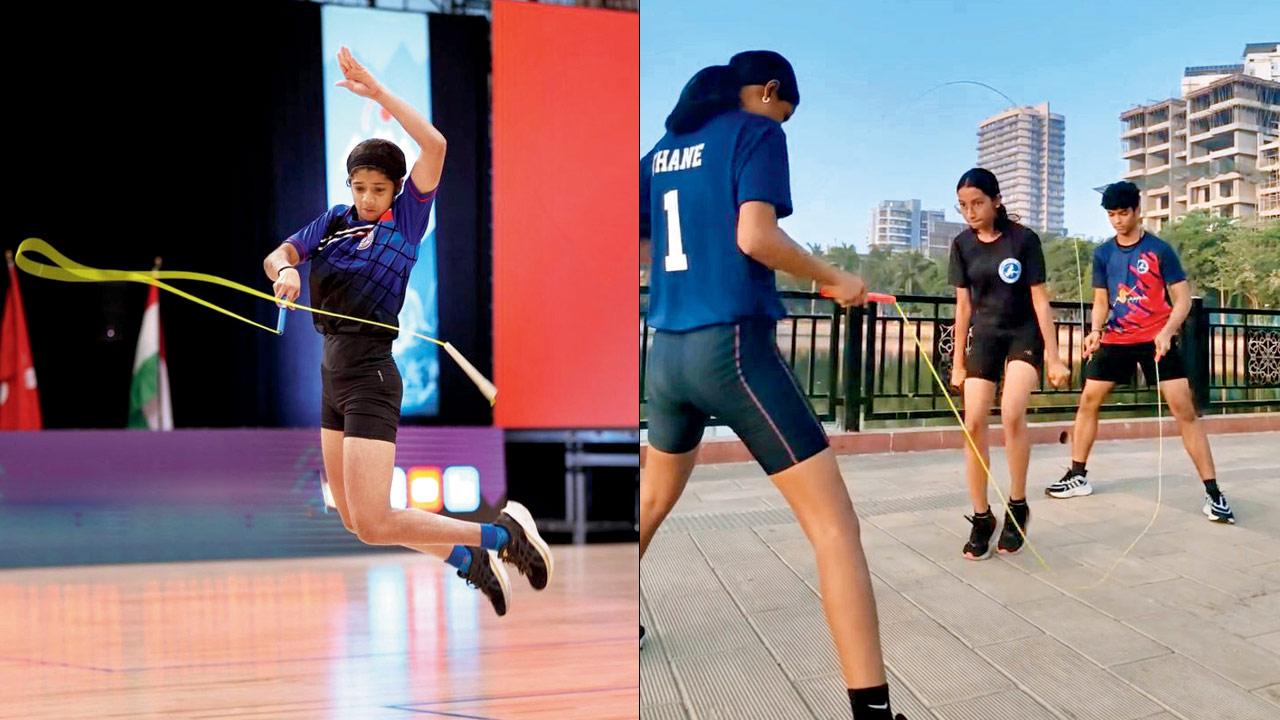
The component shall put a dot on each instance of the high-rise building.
(1269, 187)
(1213, 148)
(1155, 143)
(902, 226)
(1026, 149)
(1262, 60)
(896, 226)
(941, 233)
(929, 219)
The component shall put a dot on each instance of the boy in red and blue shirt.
(1140, 298)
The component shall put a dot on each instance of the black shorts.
(734, 373)
(362, 387)
(1116, 363)
(992, 348)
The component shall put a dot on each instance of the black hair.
(711, 91)
(1121, 195)
(758, 67)
(382, 155)
(985, 180)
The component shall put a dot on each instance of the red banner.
(566, 128)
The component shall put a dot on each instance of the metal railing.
(864, 364)
(808, 339)
(1240, 357)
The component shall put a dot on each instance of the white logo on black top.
(1010, 270)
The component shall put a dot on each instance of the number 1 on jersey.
(676, 260)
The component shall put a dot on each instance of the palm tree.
(875, 268)
(845, 257)
(906, 268)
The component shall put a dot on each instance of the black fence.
(869, 364)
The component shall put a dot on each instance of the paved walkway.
(1188, 626)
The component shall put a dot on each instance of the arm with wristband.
(277, 265)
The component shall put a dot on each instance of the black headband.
(381, 154)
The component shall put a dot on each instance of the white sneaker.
(1072, 484)
(1219, 511)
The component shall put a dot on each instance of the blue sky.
(876, 123)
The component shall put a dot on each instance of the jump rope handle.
(284, 312)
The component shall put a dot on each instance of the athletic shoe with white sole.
(1072, 484)
(488, 576)
(1218, 510)
(526, 550)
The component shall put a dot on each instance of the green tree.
(845, 257)
(1198, 237)
(1247, 264)
(907, 270)
(877, 269)
(1067, 281)
(790, 282)
(933, 281)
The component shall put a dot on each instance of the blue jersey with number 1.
(691, 186)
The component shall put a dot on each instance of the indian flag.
(149, 395)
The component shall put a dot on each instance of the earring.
(764, 99)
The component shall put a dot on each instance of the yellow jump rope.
(63, 269)
(886, 298)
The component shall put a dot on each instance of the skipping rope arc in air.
(887, 298)
(63, 269)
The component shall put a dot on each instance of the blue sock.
(493, 537)
(460, 558)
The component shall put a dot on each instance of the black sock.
(1023, 501)
(1211, 487)
(984, 514)
(871, 703)
(1078, 468)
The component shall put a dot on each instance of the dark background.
(197, 135)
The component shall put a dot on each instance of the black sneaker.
(488, 576)
(1010, 539)
(1072, 484)
(527, 551)
(641, 637)
(1218, 510)
(979, 545)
